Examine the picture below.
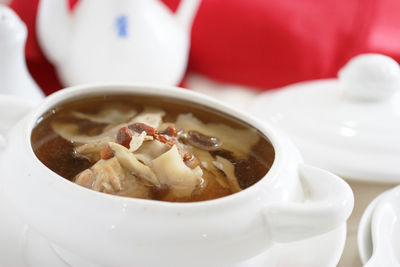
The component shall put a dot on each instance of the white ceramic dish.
(21, 246)
(349, 125)
(378, 235)
(271, 210)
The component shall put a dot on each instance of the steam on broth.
(151, 148)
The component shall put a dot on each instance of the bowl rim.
(96, 89)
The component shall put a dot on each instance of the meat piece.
(85, 178)
(104, 176)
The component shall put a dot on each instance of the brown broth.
(58, 155)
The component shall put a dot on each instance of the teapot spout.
(53, 28)
(186, 12)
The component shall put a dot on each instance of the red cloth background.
(261, 43)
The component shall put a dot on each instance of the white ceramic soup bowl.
(292, 202)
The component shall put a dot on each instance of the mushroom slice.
(171, 170)
(227, 167)
(129, 162)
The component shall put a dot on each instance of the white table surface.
(364, 193)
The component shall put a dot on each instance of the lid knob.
(370, 77)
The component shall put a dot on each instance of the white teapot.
(14, 76)
(109, 41)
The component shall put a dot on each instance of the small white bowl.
(364, 235)
(119, 231)
(378, 234)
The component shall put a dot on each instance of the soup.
(151, 147)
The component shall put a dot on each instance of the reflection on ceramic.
(385, 229)
(116, 41)
(127, 230)
(348, 126)
(14, 76)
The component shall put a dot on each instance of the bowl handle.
(328, 204)
(12, 109)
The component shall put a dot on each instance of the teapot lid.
(349, 125)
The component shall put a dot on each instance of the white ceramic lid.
(350, 125)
